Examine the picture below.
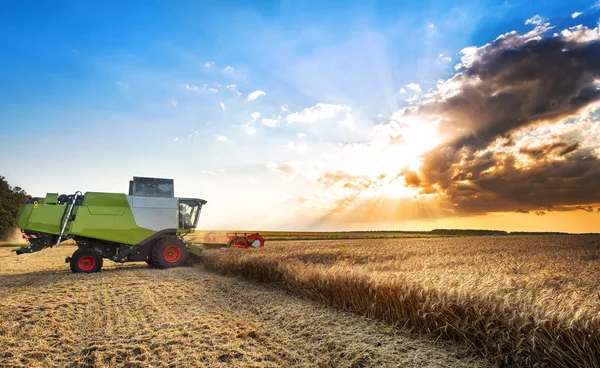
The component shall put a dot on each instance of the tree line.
(11, 201)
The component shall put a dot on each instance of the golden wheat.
(517, 300)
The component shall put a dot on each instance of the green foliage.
(11, 201)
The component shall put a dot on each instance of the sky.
(313, 115)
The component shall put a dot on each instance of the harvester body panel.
(112, 217)
(154, 213)
(108, 217)
(41, 218)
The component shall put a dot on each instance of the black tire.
(169, 251)
(86, 261)
(150, 263)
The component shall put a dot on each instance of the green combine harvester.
(147, 225)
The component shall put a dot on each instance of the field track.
(132, 315)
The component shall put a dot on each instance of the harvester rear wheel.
(86, 261)
(169, 251)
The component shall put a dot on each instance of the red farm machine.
(234, 239)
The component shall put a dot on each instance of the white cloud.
(380, 116)
(284, 109)
(472, 54)
(204, 88)
(446, 88)
(469, 56)
(431, 25)
(415, 87)
(301, 135)
(222, 106)
(255, 115)
(222, 138)
(271, 123)
(444, 58)
(233, 87)
(316, 113)
(576, 14)
(347, 122)
(228, 69)
(196, 133)
(174, 103)
(176, 139)
(208, 64)
(581, 34)
(122, 85)
(402, 90)
(208, 172)
(256, 94)
(412, 99)
(536, 20)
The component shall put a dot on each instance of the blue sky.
(96, 92)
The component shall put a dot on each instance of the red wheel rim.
(172, 253)
(86, 263)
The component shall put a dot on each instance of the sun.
(401, 147)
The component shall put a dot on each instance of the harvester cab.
(147, 225)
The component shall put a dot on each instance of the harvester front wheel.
(86, 261)
(169, 251)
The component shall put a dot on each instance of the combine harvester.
(147, 225)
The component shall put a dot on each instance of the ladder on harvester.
(66, 221)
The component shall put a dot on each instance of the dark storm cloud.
(545, 184)
(508, 87)
(514, 82)
(558, 148)
(586, 209)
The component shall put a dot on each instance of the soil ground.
(132, 315)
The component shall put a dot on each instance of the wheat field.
(515, 300)
(135, 316)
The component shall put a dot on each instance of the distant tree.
(11, 201)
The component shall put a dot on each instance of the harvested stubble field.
(516, 300)
(134, 316)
